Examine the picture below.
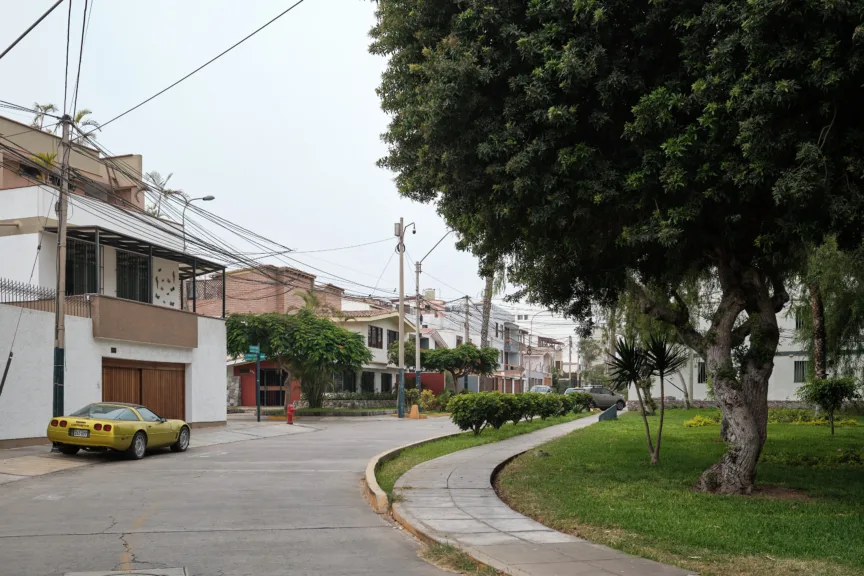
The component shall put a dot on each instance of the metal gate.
(159, 386)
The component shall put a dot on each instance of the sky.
(284, 131)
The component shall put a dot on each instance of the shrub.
(825, 422)
(581, 401)
(472, 411)
(428, 402)
(549, 405)
(497, 409)
(566, 404)
(829, 394)
(789, 415)
(699, 421)
(848, 457)
(531, 404)
(444, 398)
(412, 396)
(360, 395)
(515, 406)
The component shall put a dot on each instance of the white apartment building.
(127, 338)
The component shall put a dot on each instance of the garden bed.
(806, 516)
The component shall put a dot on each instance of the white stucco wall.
(26, 403)
(18, 253)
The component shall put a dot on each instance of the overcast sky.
(284, 131)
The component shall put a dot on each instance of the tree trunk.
(743, 396)
(817, 310)
(487, 309)
(686, 392)
(656, 458)
(831, 419)
(645, 421)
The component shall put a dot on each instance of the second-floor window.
(801, 369)
(133, 276)
(799, 322)
(703, 375)
(392, 336)
(376, 337)
(496, 330)
(80, 267)
(458, 340)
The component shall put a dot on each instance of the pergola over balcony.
(190, 266)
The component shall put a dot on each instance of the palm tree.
(81, 120)
(629, 366)
(160, 183)
(42, 112)
(496, 284)
(663, 357)
(46, 162)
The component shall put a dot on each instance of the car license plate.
(77, 432)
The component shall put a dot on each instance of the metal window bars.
(41, 298)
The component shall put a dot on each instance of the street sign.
(254, 349)
(251, 357)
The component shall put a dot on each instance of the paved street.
(289, 504)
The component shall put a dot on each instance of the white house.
(127, 338)
(380, 329)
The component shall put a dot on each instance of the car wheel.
(620, 404)
(592, 405)
(138, 447)
(182, 442)
(68, 449)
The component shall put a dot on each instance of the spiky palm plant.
(629, 365)
(663, 356)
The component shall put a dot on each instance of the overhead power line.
(203, 65)
(80, 59)
(32, 26)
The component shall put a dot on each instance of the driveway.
(287, 504)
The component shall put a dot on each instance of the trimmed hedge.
(476, 411)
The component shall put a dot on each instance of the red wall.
(247, 383)
(428, 381)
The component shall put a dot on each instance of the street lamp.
(417, 270)
(188, 201)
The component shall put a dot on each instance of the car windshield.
(541, 388)
(104, 412)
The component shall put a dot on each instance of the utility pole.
(570, 362)
(467, 340)
(417, 266)
(400, 232)
(60, 302)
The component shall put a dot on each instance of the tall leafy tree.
(607, 144)
(305, 345)
(463, 360)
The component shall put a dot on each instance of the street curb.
(377, 497)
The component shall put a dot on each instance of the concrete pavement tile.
(38, 465)
(561, 569)
(457, 526)
(523, 553)
(465, 498)
(547, 537)
(482, 512)
(438, 513)
(515, 524)
(432, 502)
(485, 539)
(587, 551)
(4, 478)
(638, 567)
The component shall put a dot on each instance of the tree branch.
(740, 333)
(781, 296)
(680, 318)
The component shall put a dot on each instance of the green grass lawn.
(390, 471)
(597, 483)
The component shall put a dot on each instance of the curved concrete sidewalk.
(451, 500)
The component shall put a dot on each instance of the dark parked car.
(601, 397)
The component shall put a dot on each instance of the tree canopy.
(460, 361)
(602, 145)
(309, 347)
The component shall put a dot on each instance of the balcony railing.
(40, 298)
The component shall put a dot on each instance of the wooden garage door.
(163, 392)
(120, 384)
(159, 386)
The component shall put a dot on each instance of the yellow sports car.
(128, 428)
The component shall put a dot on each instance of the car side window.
(605, 391)
(148, 416)
(596, 390)
(127, 415)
